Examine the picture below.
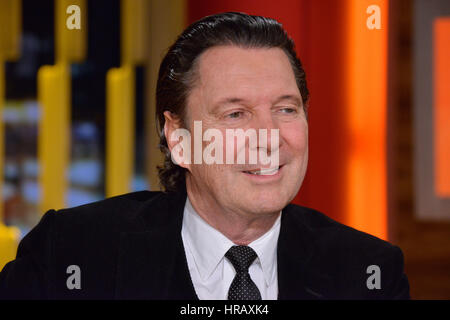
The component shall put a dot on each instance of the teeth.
(265, 172)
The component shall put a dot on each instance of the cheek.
(209, 174)
(296, 137)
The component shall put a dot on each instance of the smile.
(264, 172)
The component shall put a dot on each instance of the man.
(223, 229)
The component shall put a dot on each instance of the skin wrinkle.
(263, 81)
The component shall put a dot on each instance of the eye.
(235, 115)
(288, 110)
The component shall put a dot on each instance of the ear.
(171, 124)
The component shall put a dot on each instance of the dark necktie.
(242, 287)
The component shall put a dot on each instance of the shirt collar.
(208, 245)
(266, 249)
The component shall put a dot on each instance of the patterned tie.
(242, 287)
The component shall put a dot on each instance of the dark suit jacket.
(130, 247)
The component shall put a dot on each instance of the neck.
(240, 227)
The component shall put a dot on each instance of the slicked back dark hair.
(177, 73)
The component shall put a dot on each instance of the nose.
(268, 132)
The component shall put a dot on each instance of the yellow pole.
(10, 28)
(167, 21)
(134, 31)
(70, 42)
(120, 130)
(120, 104)
(54, 134)
(54, 97)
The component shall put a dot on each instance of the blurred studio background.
(77, 89)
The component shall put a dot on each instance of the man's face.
(240, 88)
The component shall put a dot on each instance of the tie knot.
(241, 257)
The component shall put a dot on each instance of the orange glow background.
(441, 108)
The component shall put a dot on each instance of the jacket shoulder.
(114, 213)
(334, 232)
(350, 257)
(86, 235)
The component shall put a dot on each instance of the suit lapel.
(151, 261)
(299, 278)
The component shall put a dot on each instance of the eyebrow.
(234, 100)
(230, 100)
(225, 101)
(294, 98)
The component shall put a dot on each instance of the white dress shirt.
(212, 273)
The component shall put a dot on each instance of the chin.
(268, 203)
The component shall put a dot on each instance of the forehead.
(253, 73)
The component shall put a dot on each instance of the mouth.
(264, 172)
